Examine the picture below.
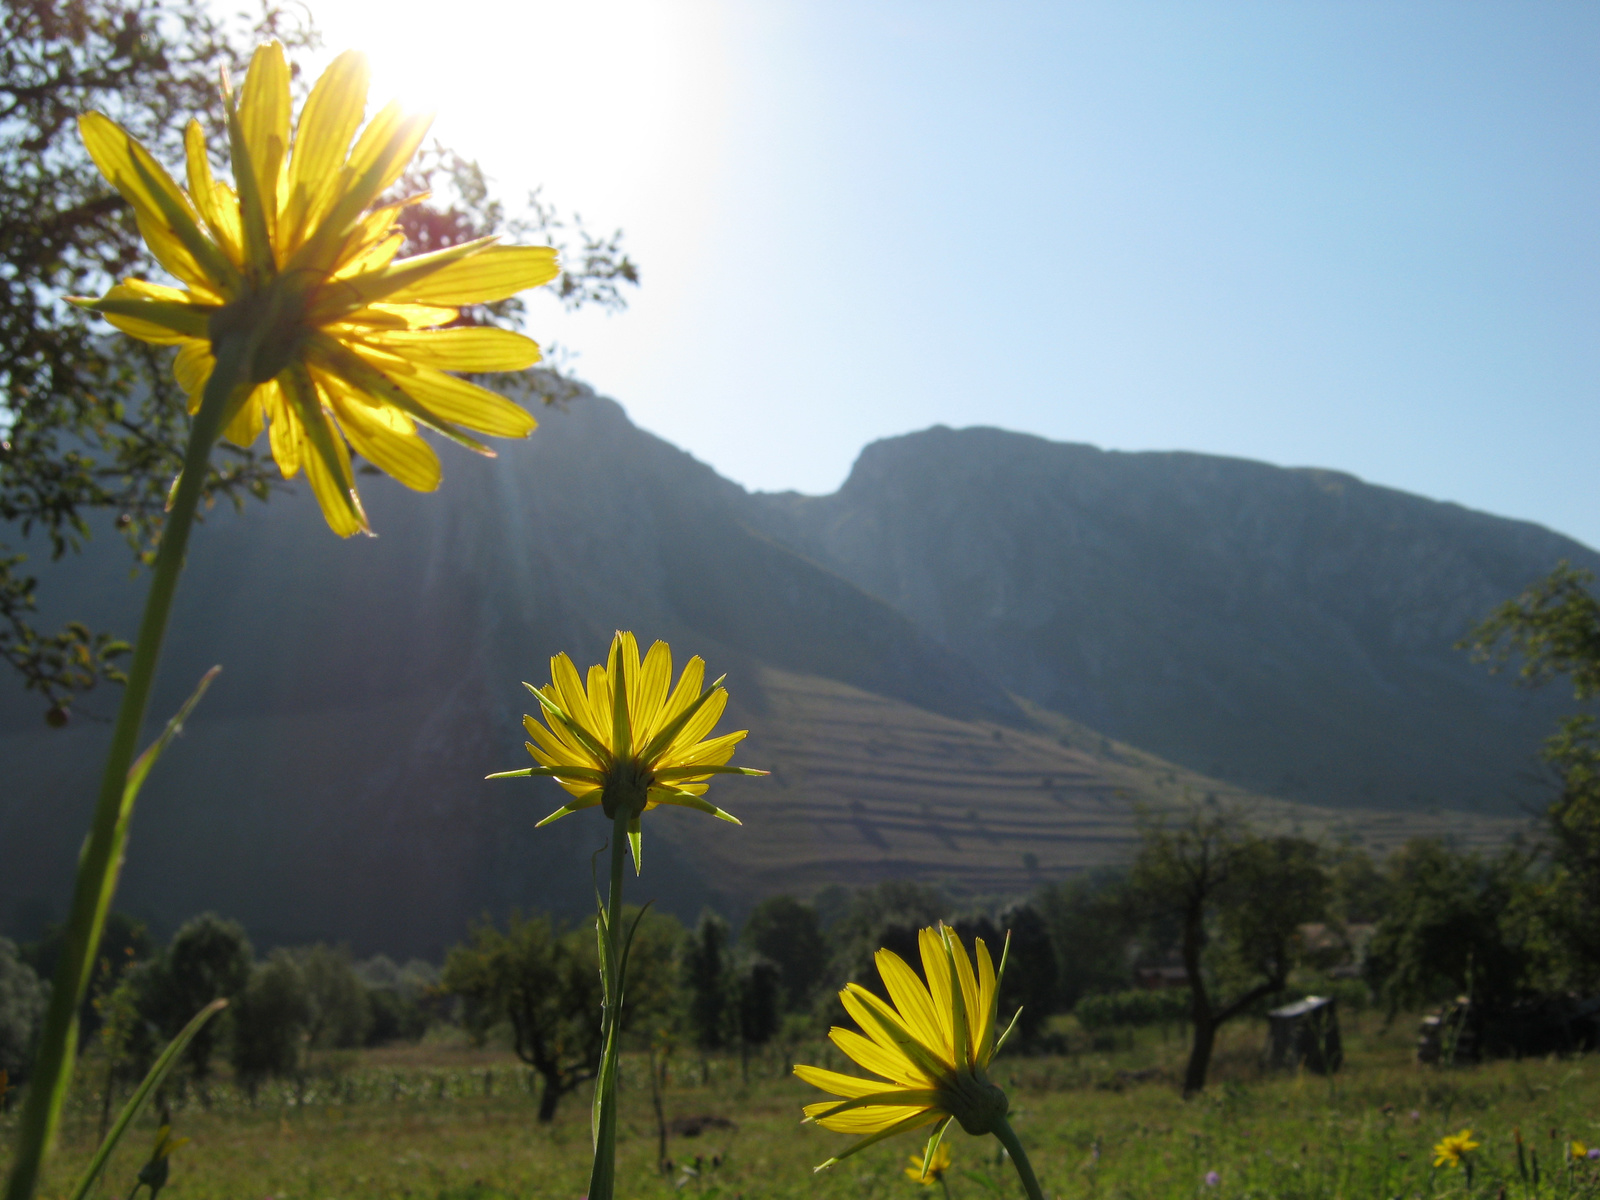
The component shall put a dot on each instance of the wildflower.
(292, 295)
(1213, 1179)
(1453, 1148)
(932, 1046)
(623, 742)
(1578, 1151)
(153, 1174)
(929, 1170)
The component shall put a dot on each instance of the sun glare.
(594, 100)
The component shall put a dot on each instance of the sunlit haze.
(1354, 236)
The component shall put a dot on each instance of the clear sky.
(1358, 236)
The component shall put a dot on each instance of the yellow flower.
(153, 1174)
(1578, 1150)
(623, 742)
(290, 276)
(931, 1046)
(1449, 1151)
(929, 1171)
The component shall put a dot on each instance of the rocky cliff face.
(1291, 631)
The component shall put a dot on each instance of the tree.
(1030, 982)
(546, 984)
(93, 427)
(707, 979)
(270, 1022)
(339, 1012)
(22, 1000)
(1554, 627)
(884, 917)
(1239, 900)
(124, 943)
(1445, 931)
(787, 934)
(209, 958)
(1091, 924)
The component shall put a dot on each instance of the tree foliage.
(545, 983)
(1240, 900)
(786, 932)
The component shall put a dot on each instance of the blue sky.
(1358, 236)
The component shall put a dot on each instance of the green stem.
(101, 856)
(603, 1175)
(1019, 1158)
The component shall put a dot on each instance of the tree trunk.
(549, 1096)
(1205, 1037)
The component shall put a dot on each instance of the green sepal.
(911, 1122)
(895, 1098)
(692, 772)
(636, 845)
(690, 800)
(933, 1144)
(600, 753)
(664, 739)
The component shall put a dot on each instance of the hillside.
(1289, 631)
(331, 786)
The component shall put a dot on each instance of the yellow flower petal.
(912, 1001)
(264, 118)
(329, 120)
(493, 274)
(374, 435)
(839, 1084)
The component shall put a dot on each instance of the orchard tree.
(1239, 900)
(1554, 628)
(787, 934)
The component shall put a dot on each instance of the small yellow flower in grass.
(153, 1174)
(928, 1171)
(1450, 1150)
(1578, 1151)
(932, 1047)
(628, 741)
(290, 274)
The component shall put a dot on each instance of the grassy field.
(444, 1122)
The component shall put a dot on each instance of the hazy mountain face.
(1286, 630)
(1290, 631)
(332, 782)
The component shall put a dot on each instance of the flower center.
(271, 319)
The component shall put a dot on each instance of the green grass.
(417, 1122)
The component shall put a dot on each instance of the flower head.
(929, 1169)
(153, 1174)
(1213, 1179)
(628, 741)
(1451, 1149)
(932, 1047)
(290, 275)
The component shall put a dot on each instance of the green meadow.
(442, 1121)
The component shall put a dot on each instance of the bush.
(1138, 1007)
(270, 1021)
(22, 1004)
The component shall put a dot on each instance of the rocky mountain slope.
(1289, 631)
(331, 785)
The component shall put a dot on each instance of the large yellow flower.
(289, 275)
(623, 742)
(932, 1047)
